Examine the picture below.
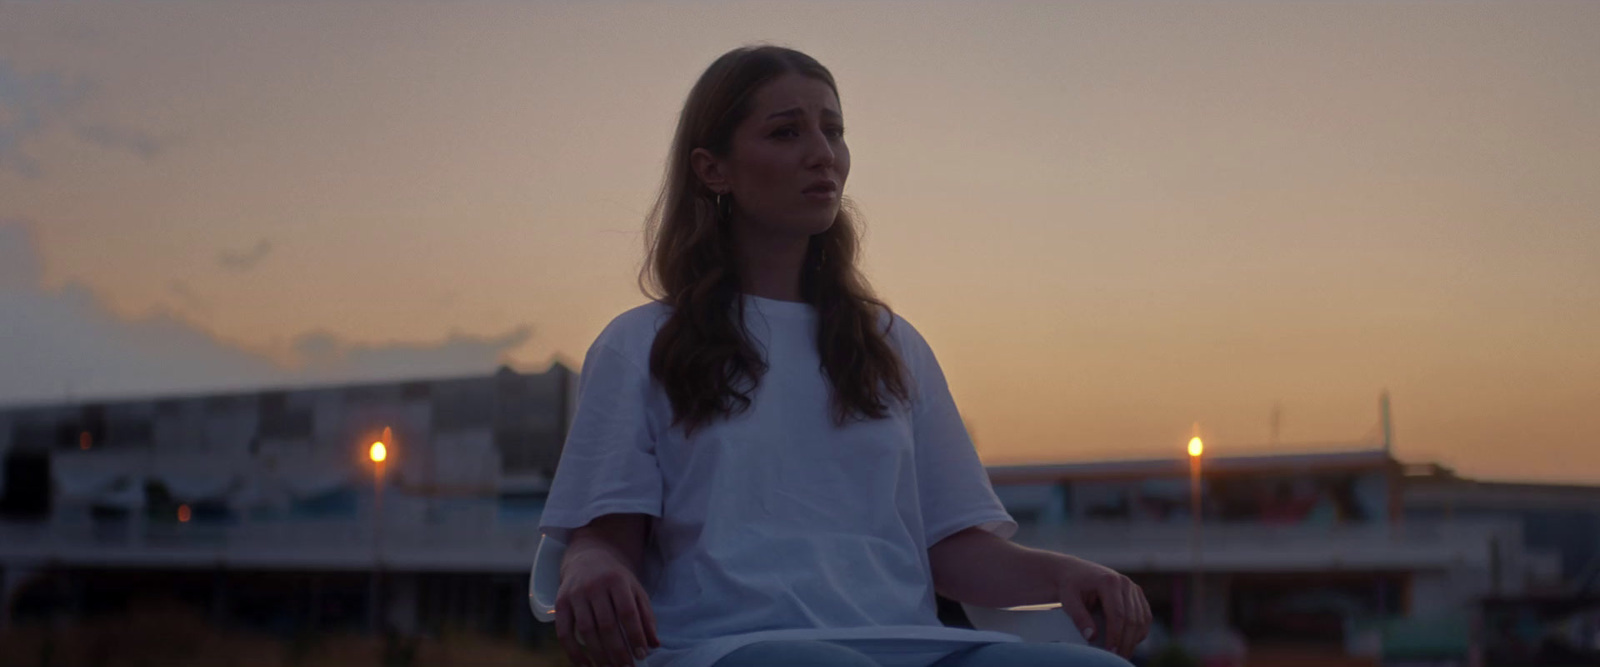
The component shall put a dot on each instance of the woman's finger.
(568, 630)
(647, 617)
(1072, 604)
(564, 633)
(608, 633)
(1133, 629)
(1148, 617)
(1111, 604)
(628, 623)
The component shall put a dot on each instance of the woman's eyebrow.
(798, 112)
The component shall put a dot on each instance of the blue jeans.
(829, 654)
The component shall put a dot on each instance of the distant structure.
(263, 508)
(274, 490)
(1337, 548)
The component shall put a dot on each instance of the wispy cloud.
(321, 355)
(19, 260)
(187, 298)
(29, 104)
(245, 260)
(32, 104)
(65, 341)
(124, 139)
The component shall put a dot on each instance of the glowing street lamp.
(1196, 449)
(378, 453)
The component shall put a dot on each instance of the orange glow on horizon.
(1196, 448)
(1097, 319)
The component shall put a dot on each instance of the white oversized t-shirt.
(775, 523)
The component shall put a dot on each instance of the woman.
(765, 466)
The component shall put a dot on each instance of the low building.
(265, 507)
(236, 501)
(1340, 550)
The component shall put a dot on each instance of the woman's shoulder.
(905, 337)
(633, 332)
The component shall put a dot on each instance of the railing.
(347, 543)
(498, 543)
(1162, 535)
(1174, 546)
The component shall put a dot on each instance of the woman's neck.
(770, 266)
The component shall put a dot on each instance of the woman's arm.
(619, 535)
(603, 614)
(980, 568)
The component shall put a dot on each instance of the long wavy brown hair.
(703, 355)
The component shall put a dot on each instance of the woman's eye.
(790, 132)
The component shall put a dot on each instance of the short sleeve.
(608, 464)
(953, 486)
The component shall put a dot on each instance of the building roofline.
(220, 392)
(1464, 493)
(1291, 461)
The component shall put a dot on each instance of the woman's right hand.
(603, 616)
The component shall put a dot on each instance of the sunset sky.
(1110, 220)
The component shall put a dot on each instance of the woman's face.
(788, 161)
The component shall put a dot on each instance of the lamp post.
(1196, 448)
(378, 453)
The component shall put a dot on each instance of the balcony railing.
(346, 543)
(491, 542)
(1234, 546)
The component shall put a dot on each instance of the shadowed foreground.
(174, 636)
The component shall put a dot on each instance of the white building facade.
(271, 495)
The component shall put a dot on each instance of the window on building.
(378, 393)
(86, 431)
(132, 431)
(34, 434)
(460, 406)
(527, 451)
(227, 403)
(279, 420)
(416, 391)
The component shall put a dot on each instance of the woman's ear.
(709, 170)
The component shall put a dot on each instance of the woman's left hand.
(1082, 585)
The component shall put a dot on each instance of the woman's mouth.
(823, 190)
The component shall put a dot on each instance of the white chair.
(1033, 623)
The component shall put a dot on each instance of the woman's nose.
(819, 150)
